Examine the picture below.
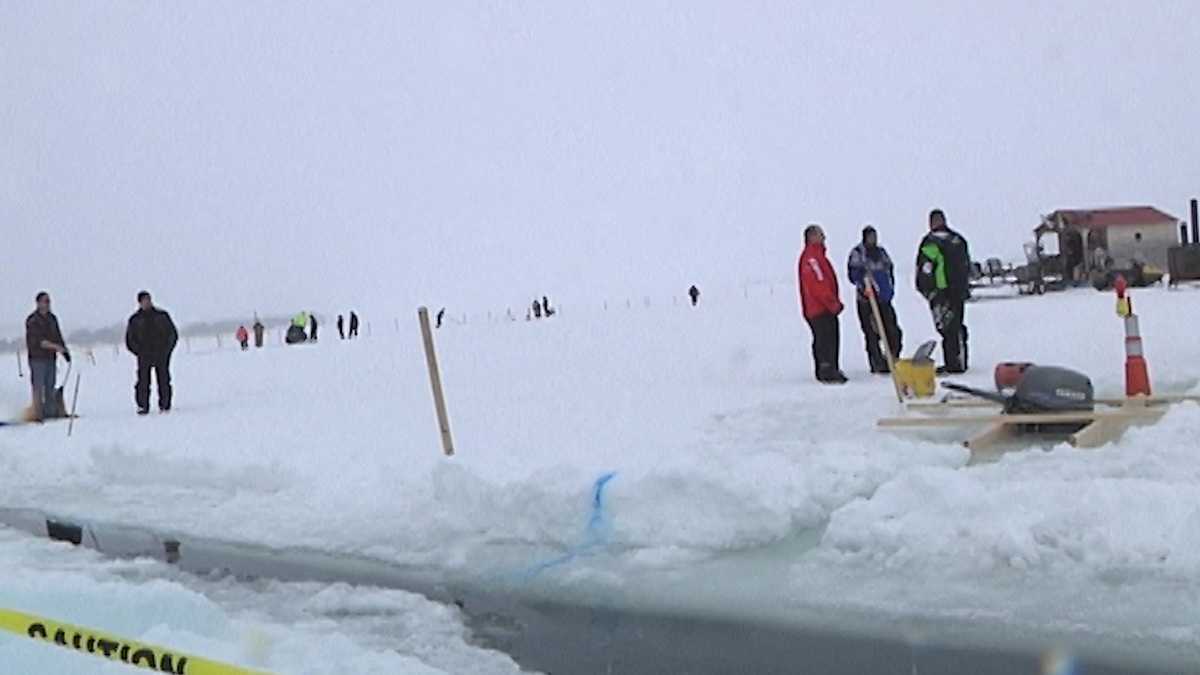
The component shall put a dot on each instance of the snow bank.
(720, 439)
(278, 627)
(1133, 504)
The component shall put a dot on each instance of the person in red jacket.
(819, 300)
(243, 337)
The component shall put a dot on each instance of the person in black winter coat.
(353, 325)
(151, 337)
(944, 278)
(312, 327)
(341, 324)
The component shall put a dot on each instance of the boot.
(831, 375)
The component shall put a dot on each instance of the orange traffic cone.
(1137, 374)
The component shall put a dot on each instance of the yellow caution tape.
(112, 647)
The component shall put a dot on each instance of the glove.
(66, 356)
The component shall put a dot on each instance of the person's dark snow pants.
(161, 365)
(866, 319)
(826, 344)
(949, 319)
(42, 375)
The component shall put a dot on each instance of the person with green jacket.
(944, 279)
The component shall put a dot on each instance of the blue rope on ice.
(594, 536)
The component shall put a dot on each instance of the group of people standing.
(307, 321)
(943, 265)
(150, 335)
(304, 321)
(541, 308)
(341, 326)
(243, 335)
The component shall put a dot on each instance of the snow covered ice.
(280, 627)
(727, 457)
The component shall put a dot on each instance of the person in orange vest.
(821, 305)
(243, 337)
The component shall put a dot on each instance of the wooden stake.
(435, 381)
(74, 406)
(887, 347)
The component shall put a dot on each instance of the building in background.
(1125, 233)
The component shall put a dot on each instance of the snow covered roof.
(1120, 216)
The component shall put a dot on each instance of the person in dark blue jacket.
(869, 264)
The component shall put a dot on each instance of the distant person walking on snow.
(44, 342)
(312, 326)
(341, 324)
(537, 309)
(151, 337)
(694, 294)
(259, 330)
(440, 316)
(821, 306)
(243, 337)
(870, 264)
(944, 278)
(353, 325)
(546, 310)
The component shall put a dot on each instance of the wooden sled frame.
(1100, 426)
(955, 402)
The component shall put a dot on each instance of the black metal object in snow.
(64, 532)
(1195, 221)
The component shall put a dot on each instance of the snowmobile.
(295, 335)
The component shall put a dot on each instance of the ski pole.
(20, 368)
(74, 406)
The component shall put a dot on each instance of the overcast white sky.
(233, 156)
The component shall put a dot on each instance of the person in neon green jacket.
(944, 279)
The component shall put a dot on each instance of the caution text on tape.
(113, 647)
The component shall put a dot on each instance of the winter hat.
(868, 230)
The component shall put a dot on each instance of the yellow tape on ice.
(112, 647)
